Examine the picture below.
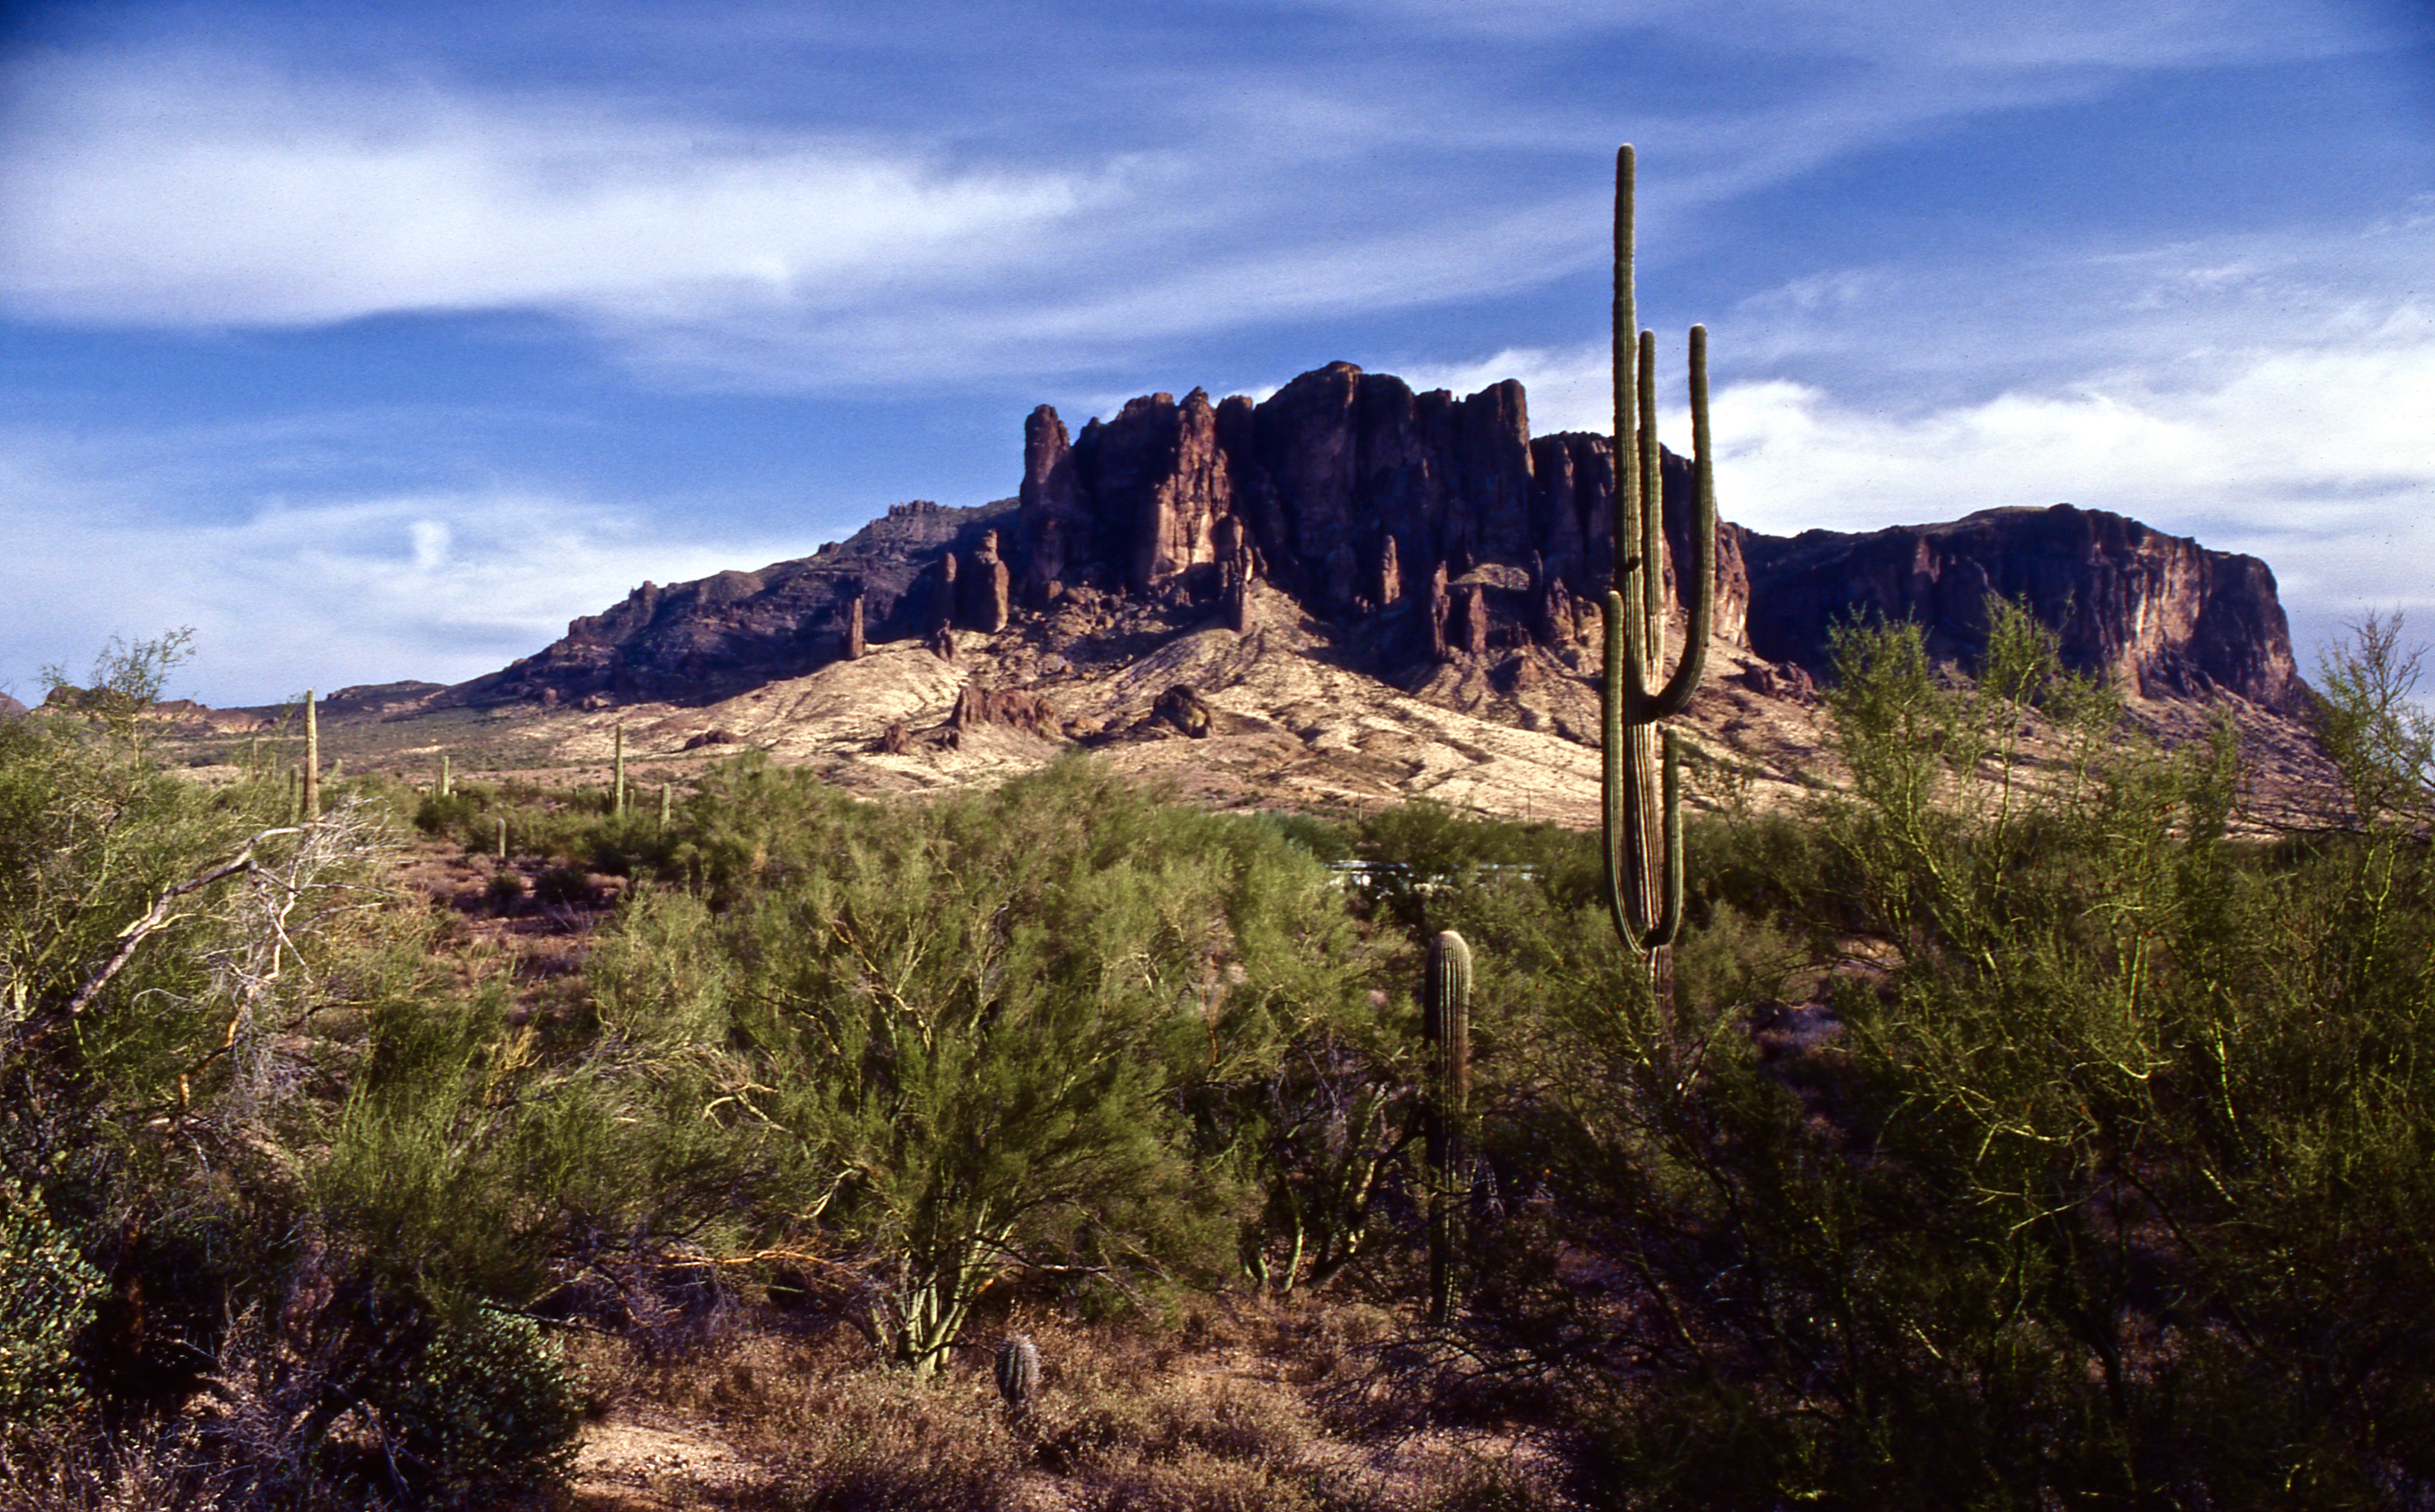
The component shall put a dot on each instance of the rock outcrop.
(1342, 488)
(694, 642)
(1343, 485)
(2164, 614)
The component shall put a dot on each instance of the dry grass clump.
(92, 1471)
(1219, 1418)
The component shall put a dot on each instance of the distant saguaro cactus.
(617, 779)
(1018, 1373)
(312, 761)
(1643, 821)
(1445, 1025)
(447, 776)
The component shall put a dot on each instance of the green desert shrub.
(490, 1410)
(47, 1296)
(2093, 1116)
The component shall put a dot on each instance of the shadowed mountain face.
(1429, 529)
(698, 642)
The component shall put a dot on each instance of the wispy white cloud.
(2317, 459)
(2015, 34)
(202, 190)
(440, 585)
(177, 187)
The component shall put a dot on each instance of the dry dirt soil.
(1295, 720)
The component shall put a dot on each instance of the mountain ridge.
(1349, 493)
(1346, 594)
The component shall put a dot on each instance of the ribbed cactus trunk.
(1018, 1374)
(312, 761)
(617, 778)
(1641, 796)
(1446, 1023)
(447, 776)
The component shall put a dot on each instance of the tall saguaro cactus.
(1446, 1023)
(1643, 816)
(617, 779)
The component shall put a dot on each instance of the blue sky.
(378, 341)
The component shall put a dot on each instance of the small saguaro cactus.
(312, 761)
(665, 788)
(503, 839)
(1018, 1373)
(447, 777)
(1446, 1023)
(1643, 820)
(617, 779)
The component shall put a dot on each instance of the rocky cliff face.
(1348, 486)
(1437, 528)
(2164, 614)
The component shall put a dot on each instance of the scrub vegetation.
(2015, 1133)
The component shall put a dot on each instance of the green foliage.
(47, 1296)
(1000, 1007)
(2020, 1136)
(2048, 1196)
(490, 1410)
(127, 679)
(2367, 718)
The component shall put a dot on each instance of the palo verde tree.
(1005, 1008)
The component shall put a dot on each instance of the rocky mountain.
(1342, 595)
(1434, 528)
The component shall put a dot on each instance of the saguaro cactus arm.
(1700, 583)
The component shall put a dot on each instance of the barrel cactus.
(1018, 1373)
